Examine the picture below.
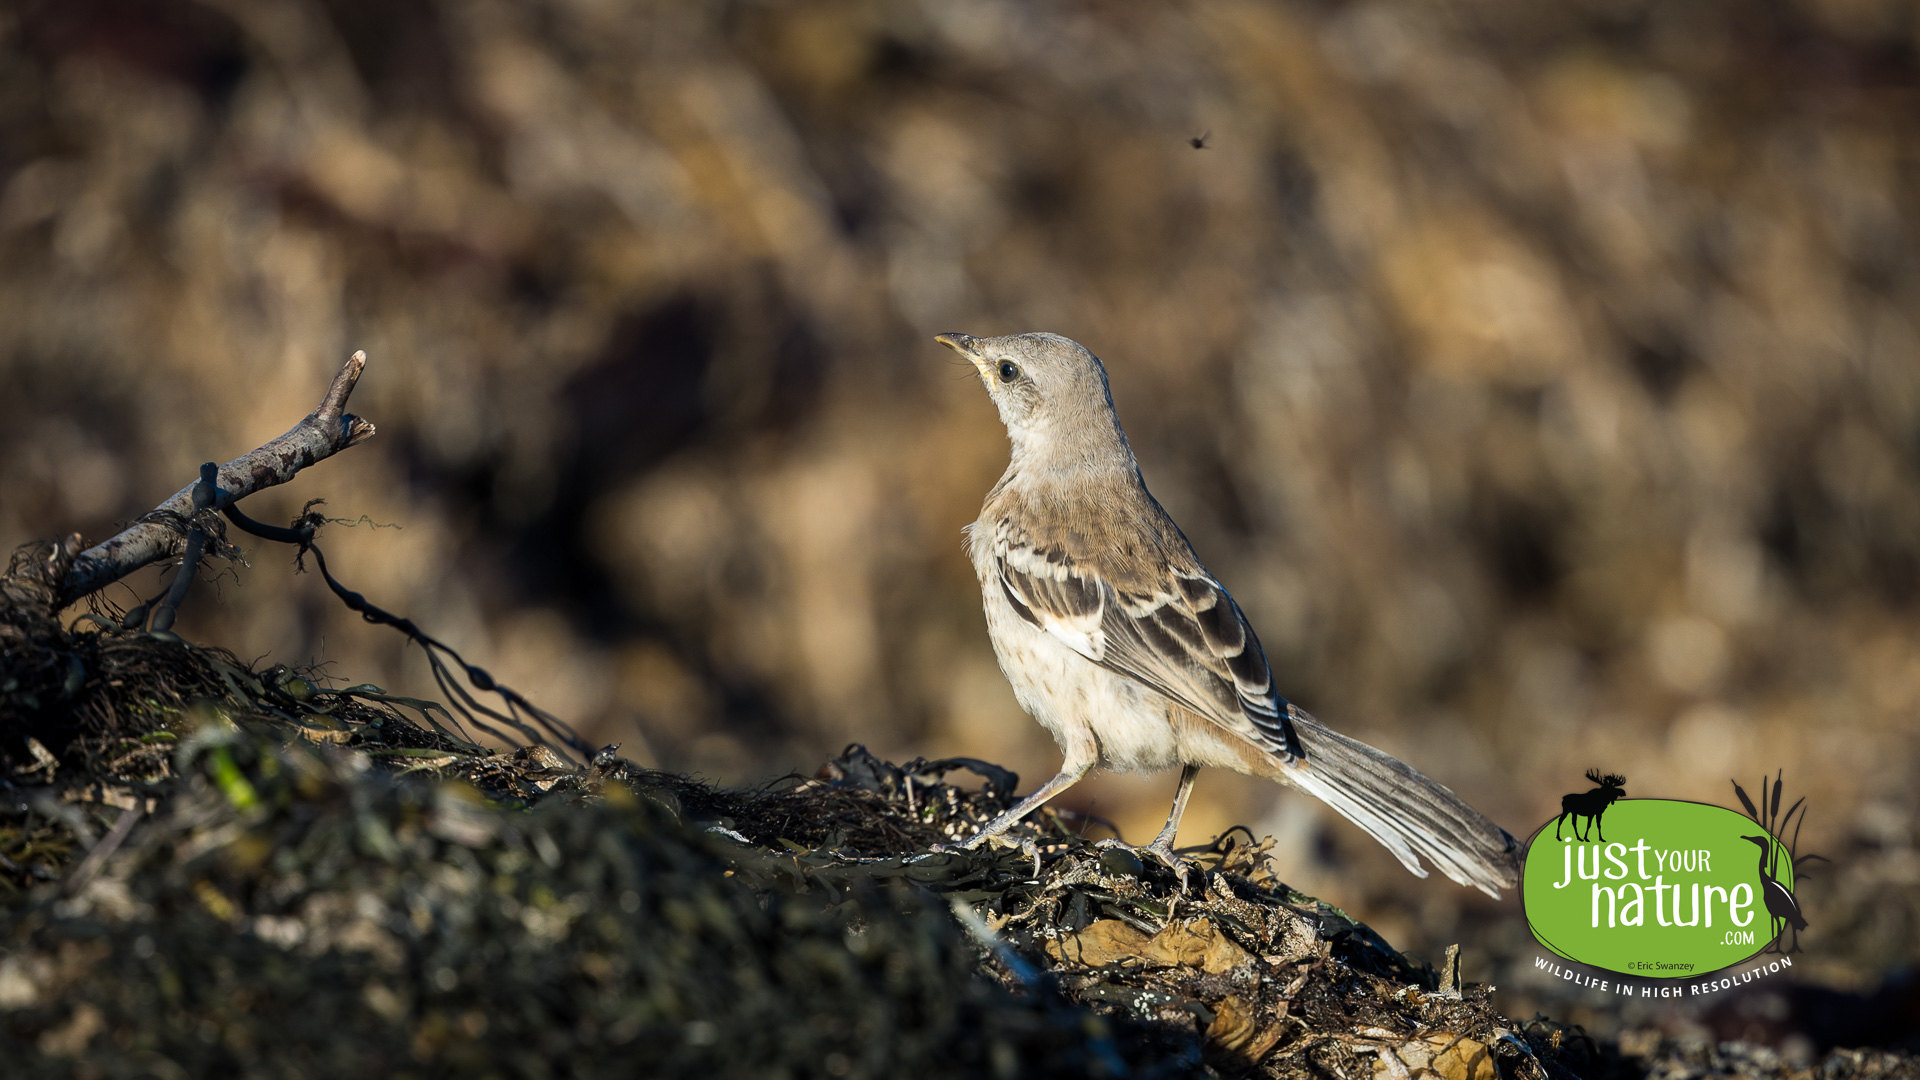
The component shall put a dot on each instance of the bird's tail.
(1410, 814)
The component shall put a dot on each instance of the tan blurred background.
(1544, 379)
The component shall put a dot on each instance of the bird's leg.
(1070, 771)
(1163, 844)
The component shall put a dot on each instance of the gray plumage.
(1119, 642)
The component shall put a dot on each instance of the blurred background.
(1544, 379)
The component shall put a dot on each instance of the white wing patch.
(1056, 599)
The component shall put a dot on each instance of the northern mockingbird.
(1124, 647)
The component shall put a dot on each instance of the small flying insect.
(1199, 142)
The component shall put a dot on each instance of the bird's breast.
(1087, 708)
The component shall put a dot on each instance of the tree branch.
(325, 431)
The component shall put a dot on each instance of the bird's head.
(1765, 842)
(1052, 394)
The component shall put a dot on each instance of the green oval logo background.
(1563, 913)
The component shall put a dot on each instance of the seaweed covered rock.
(293, 906)
(291, 909)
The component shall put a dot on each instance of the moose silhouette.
(1590, 804)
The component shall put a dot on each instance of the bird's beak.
(960, 343)
(966, 345)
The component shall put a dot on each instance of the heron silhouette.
(1779, 899)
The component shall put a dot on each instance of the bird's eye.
(1008, 372)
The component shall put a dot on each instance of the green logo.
(1662, 889)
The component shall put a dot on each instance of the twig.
(302, 535)
(325, 431)
(97, 857)
(982, 933)
(1450, 974)
(205, 493)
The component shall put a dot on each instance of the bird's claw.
(1031, 849)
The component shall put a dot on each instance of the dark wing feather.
(1193, 644)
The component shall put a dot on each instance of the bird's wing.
(1176, 630)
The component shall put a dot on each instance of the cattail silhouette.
(1781, 905)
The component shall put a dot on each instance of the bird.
(1119, 642)
(1781, 906)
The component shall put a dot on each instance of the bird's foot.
(1024, 844)
(985, 836)
(1162, 850)
(1119, 857)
